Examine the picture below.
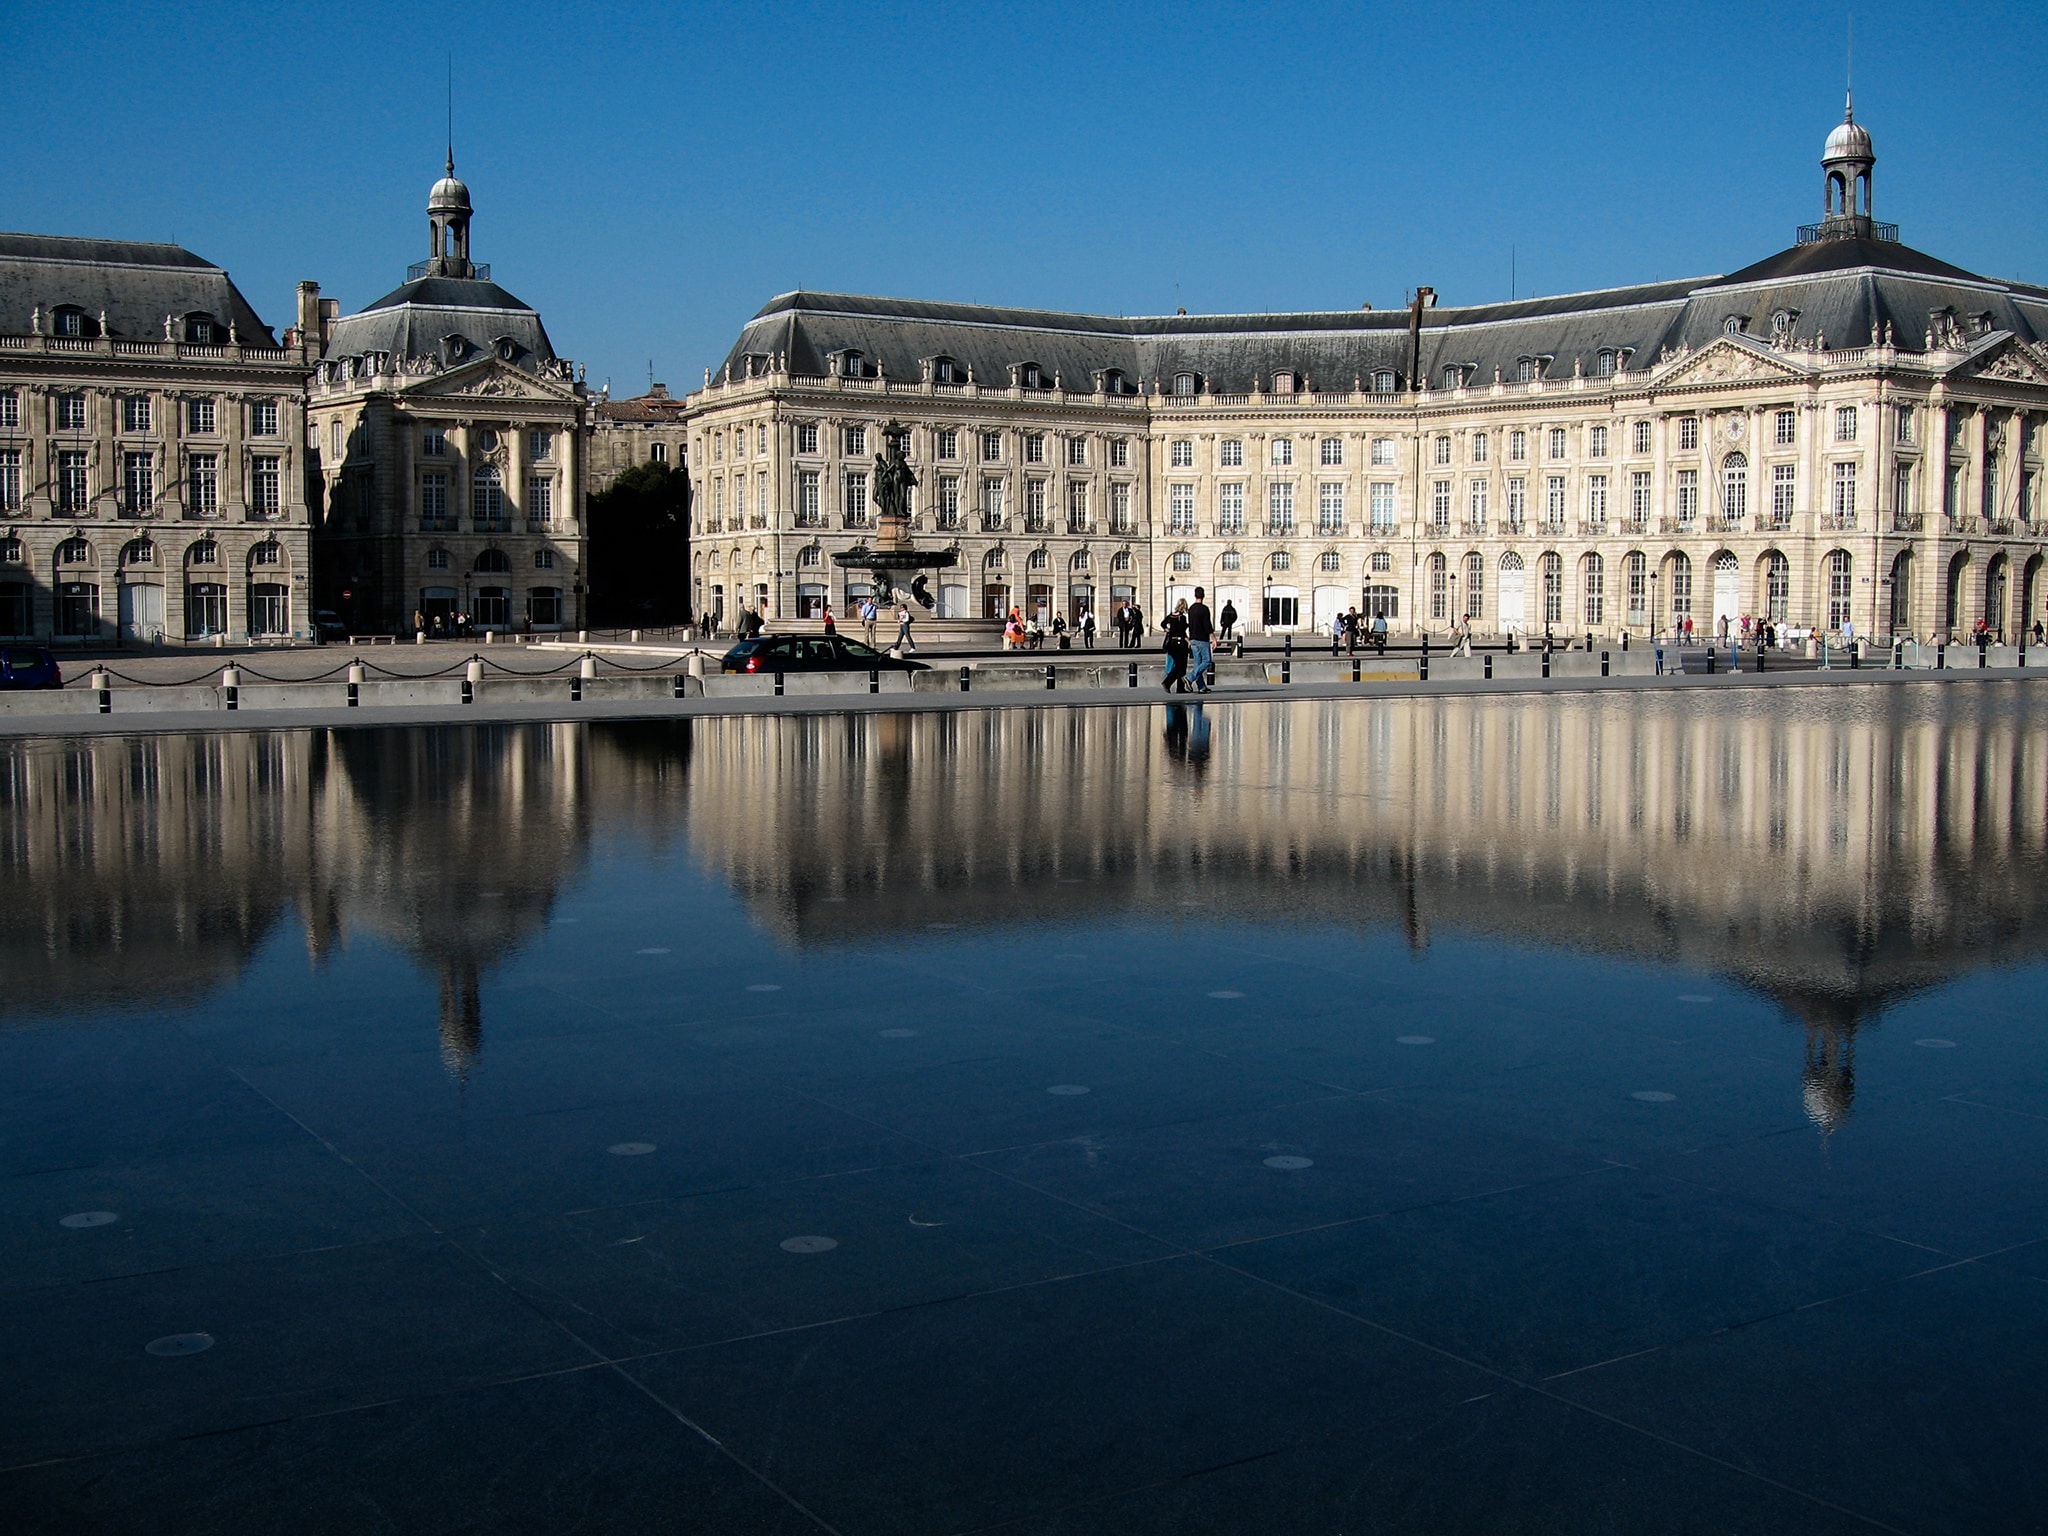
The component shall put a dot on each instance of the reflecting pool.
(1545, 1114)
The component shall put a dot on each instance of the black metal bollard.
(1287, 644)
(1134, 674)
(778, 682)
(874, 680)
(1855, 656)
(1760, 648)
(1603, 663)
(1286, 668)
(1941, 656)
(679, 685)
(1487, 662)
(1710, 661)
(1354, 669)
(1048, 677)
(965, 672)
(1546, 661)
(575, 689)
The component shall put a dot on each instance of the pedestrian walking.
(1228, 619)
(831, 627)
(1351, 624)
(1175, 628)
(1464, 647)
(1336, 632)
(903, 618)
(1379, 633)
(1201, 644)
(868, 615)
(1087, 629)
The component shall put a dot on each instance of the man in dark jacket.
(1201, 632)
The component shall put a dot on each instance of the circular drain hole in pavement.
(1936, 1045)
(765, 986)
(1223, 997)
(809, 1244)
(1290, 1162)
(1694, 997)
(1653, 1096)
(173, 1344)
(896, 1034)
(1067, 1090)
(1415, 1039)
(650, 951)
(88, 1219)
(630, 1148)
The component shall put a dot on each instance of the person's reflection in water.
(1187, 736)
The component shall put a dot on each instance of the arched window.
(1681, 587)
(1231, 560)
(139, 552)
(1527, 370)
(1636, 572)
(437, 560)
(1038, 560)
(269, 552)
(1283, 561)
(1734, 486)
(811, 556)
(1383, 382)
(200, 329)
(1330, 560)
(1120, 561)
(1604, 363)
(70, 320)
(1182, 560)
(493, 562)
(1080, 560)
(1839, 575)
(993, 560)
(205, 552)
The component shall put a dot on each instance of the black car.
(327, 625)
(28, 666)
(813, 653)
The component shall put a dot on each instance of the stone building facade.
(646, 429)
(1846, 433)
(152, 450)
(450, 447)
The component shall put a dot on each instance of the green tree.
(639, 552)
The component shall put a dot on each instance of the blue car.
(27, 666)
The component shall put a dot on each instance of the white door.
(1178, 595)
(142, 612)
(952, 602)
(1727, 593)
(1330, 601)
(1512, 617)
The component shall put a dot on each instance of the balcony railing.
(1593, 530)
(810, 520)
(2004, 527)
(1721, 523)
(1280, 528)
(1838, 522)
(992, 522)
(1332, 527)
(418, 270)
(1678, 525)
(1078, 525)
(493, 525)
(1962, 525)
(1907, 522)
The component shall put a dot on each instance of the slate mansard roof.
(414, 320)
(1837, 290)
(134, 282)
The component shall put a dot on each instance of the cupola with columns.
(448, 215)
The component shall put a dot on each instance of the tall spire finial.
(1849, 73)
(451, 114)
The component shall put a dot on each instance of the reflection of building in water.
(148, 870)
(1837, 851)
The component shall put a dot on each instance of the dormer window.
(1113, 382)
(454, 348)
(1454, 377)
(201, 331)
(1030, 376)
(1383, 382)
(1734, 325)
(1283, 383)
(1184, 384)
(852, 365)
(1603, 365)
(946, 371)
(1981, 324)
(70, 320)
(1528, 370)
(1782, 321)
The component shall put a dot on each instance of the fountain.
(893, 553)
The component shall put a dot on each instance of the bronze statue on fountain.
(893, 553)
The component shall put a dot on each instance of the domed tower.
(1846, 162)
(448, 213)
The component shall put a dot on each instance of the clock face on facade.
(1734, 429)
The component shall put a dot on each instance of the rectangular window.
(1280, 507)
(1380, 507)
(434, 502)
(1902, 494)
(540, 499)
(949, 443)
(1638, 590)
(1034, 447)
(433, 442)
(1382, 452)
(1518, 501)
(1283, 452)
(1230, 508)
(1639, 496)
(10, 479)
(540, 444)
(1838, 589)
(807, 437)
(1842, 495)
(1787, 428)
(1845, 424)
(854, 503)
(1553, 501)
(1077, 451)
(1120, 453)
(1120, 507)
(1557, 442)
(199, 417)
(1077, 506)
(1518, 446)
(135, 413)
(1180, 509)
(138, 482)
(1688, 495)
(810, 499)
(991, 447)
(1443, 450)
(1784, 488)
(1332, 452)
(1596, 500)
(739, 497)
(263, 418)
(1440, 504)
(74, 488)
(1905, 424)
(1230, 454)
(853, 442)
(1479, 447)
(949, 502)
(1596, 442)
(1181, 455)
(71, 413)
(264, 485)
(1641, 433)
(1688, 434)
(992, 494)
(10, 410)
(1035, 509)
(1330, 507)
(1475, 505)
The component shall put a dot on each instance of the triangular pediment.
(488, 378)
(2007, 359)
(1730, 360)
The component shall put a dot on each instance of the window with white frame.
(1330, 506)
(657, 453)
(1182, 560)
(437, 560)
(1077, 506)
(1553, 501)
(1332, 454)
(1381, 560)
(1735, 486)
(1034, 506)
(1596, 500)
(1596, 442)
(1557, 442)
(1784, 489)
(949, 502)
(433, 442)
(1839, 589)
(1283, 452)
(434, 501)
(1443, 450)
(1518, 446)
(1381, 507)
(1845, 423)
(1475, 504)
(810, 511)
(1905, 424)
(1640, 437)
(853, 504)
(993, 494)
(1479, 447)
(263, 418)
(1034, 447)
(1552, 567)
(10, 479)
(74, 482)
(201, 417)
(10, 410)
(1120, 506)
(1077, 451)
(1283, 561)
(1785, 428)
(1518, 500)
(1603, 365)
(138, 482)
(1639, 496)
(540, 443)
(1280, 507)
(991, 447)
(71, 413)
(265, 484)
(1330, 560)
(1383, 382)
(1439, 587)
(1440, 505)
(1180, 453)
(1230, 508)
(1119, 453)
(1230, 453)
(1842, 494)
(1594, 575)
(1382, 452)
(540, 498)
(947, 440)
(135, 413)
(1636, 567)
(807, 437)
(1688, 434)
(1687, 495)
(853, 441)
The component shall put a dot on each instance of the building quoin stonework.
(450, 443)
(1845, 433)
(152, 441)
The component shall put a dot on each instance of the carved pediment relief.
(1728, 362)
(2014, 363)
(491, 379)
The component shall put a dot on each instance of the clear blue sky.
(648, 176)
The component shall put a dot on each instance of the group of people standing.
(1351, 629)
(1030, 634)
